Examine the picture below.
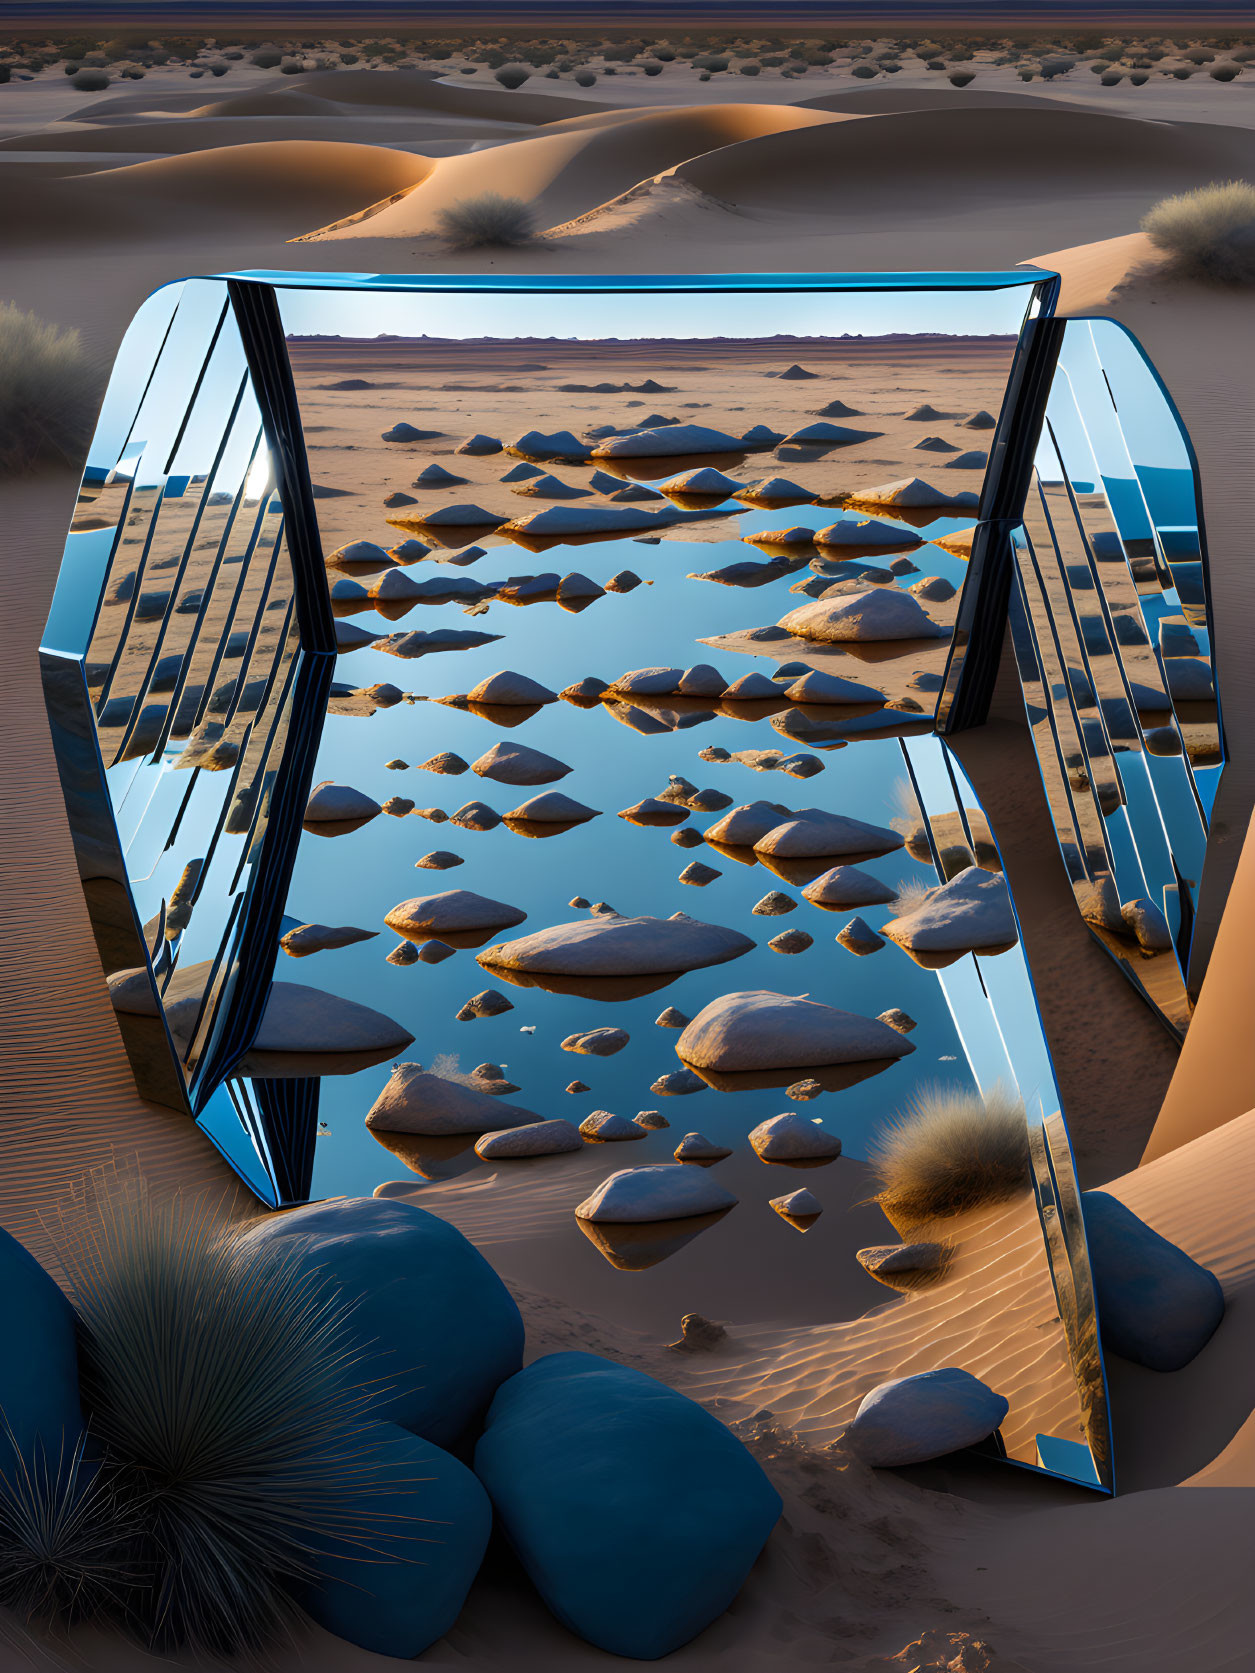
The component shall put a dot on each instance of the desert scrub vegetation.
(951, 1151)
(224, 1422)
(49, 393)
(485, 221)
(1208, 233)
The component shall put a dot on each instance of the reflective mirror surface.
(625, 810)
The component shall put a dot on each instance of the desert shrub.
(133, 74)
(1100, 66)
(349, 58)
(951, 1151)
(235, 55)
(1243, 54)
(91, 81)
(267, 59)
(219, 1386)
(1052, 67)
(485, 221)
(467, 70)
(72, 66)
(1112, 79)
(585, 78)
(512, 75)
(1139, 78)
(665, 54)
(703, 75)
(935, 64)
(219, 69)
(1181, 74)
(750, 68)
(1225, 72)
(652, 69)
(1025, 75)
(292, 68)
(961, 78)
(714, 62)
(5, 74)
(1199, 55)
(864, 71)
(1209, 232)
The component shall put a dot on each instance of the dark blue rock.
(593, 1469)
(38, 1361)
(436, 1328)
(414, 1531)
(1156, 1306)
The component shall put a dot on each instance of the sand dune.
(885, 101)
(280, 183)
(1093, 273)
(567, 173)
(183, 136)
(939, 160)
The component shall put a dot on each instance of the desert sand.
(149, 184)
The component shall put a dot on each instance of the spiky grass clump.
(485, 221)
(220, 1386)
(952, 1151)
(70, 1540)
(49, 392)
(1209, 232)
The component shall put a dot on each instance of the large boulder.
(420, 1523)
(1156, 1306)
(759, 1029)
(912, 1419)
(813, 833)
(459, 911)
(435, 1329)
(575, 1431)
(39, 1367)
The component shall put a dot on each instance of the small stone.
(396, 765)
(792, 1138)
(905, 1266)
(671, 1018)
(858, 937)
(597, 1042)
(398, 806)
(698, 874)
(699, 1335)
(475, 816)
(488, 1071)
(435, 815)
(801, 1208)
(579, 903)
(489, 1003)
(625, 581)
(678, 1084)
(407, 953)
(688, 837)
(578, 1086)
(445, 762)
(897, 1019)
(440, 859)
(696, 1147)
(651, 1120)
(434, 952)
(774, 904)
(586, 691)
(802, 1091)
(791, 941)
(608, 1128)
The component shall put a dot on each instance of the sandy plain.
(105, 205)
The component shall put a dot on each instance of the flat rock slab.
(455, 910)
(597, 1042)
(814, 833)
(615, 946)
(970, 912)
(538, 1138)
(321, 938)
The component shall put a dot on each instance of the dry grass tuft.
(486, 221)
(953, 1150)
(1209, 232)
(49, 393)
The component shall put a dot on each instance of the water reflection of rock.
(428, 1156)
